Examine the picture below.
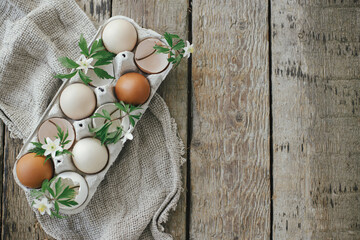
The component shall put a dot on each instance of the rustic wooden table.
(269, 110)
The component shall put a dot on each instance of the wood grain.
(97, 10)
(18, 219)
(167, 16)
(2, 136)
(230, 180)
(316, 110)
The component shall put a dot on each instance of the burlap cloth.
(144, 183)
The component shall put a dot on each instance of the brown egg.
(132, 88)
(32, 171)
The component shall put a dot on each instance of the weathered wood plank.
(167, 16)
(18, 219)
(97, 10)
(230, 180)
(316, 110)
(2, 135)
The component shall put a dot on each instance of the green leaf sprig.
(62, 194)
(61, 135)
(176, 49)
(102, 133)
(97, 51)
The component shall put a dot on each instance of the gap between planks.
(189, 130)
(270, 126)
(2, 144)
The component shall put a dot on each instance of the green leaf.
(84, 78)
(127, 107)
(174, 35)
(64, 142)
(56, 205)
(63, 152)
(58, 187)
(68, 202)
(171, 59)
(50, 190)
(36, 193)
(132, 121)
(106, 114)
(67, 193)
(168, 38)
(52, 180)
(118, 136)
(97, 46)
(179, 45)
(111, 135)
(160, 49)
(120, 106)
(44, 185)
(98, 115)
(102, 133)
(47, 158)
(103, 55)
(102, 73)
(68, 63)
(37, 144)
(60, 132)
(102, 62)
(83, 46)
(133, 108)
(136, 116)
(177, 60)
(67, 76)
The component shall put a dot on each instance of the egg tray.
(122, 63)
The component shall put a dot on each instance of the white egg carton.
(122, 63)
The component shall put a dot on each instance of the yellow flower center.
(84, 63)
(52, 146)
(42, 208)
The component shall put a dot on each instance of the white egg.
(119, 35)
(78, 183)
(77, 101)
(89, 156)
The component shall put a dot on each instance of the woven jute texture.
(144, 184)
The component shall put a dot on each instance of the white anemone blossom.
(188, 49)
(84, 63)
(43, 206)
(127, 135)
(51, 147)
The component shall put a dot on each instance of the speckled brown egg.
(132, 88)
(32, 171)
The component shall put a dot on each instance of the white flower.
(125, 123)
(127, 135)
(52, 147)
(188, 49)
(43, 206)
(84, 63)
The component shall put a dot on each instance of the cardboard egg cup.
(122, 63)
